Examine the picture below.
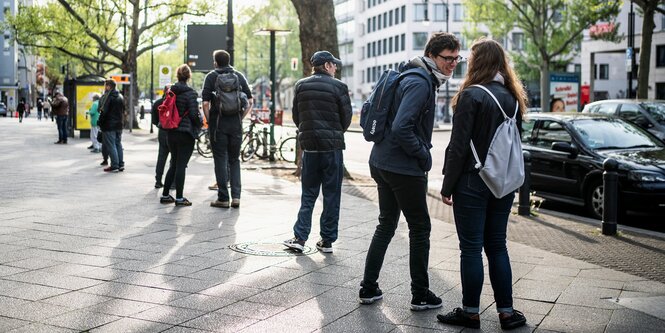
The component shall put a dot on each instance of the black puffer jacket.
(111, 116)
(188, 108)
(476, 117)
(322, 112)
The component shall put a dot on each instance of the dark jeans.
(405, 194)
(181, 146)
(113, 142)
(20, 118)
(226, 155)
(105, 149)
(61, 121)
(481, 221)
(162, 155)
(320, 170)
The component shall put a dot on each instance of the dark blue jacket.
(406, 146)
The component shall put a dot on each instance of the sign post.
(164, 75)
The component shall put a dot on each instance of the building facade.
(604, 67)
(8, 60)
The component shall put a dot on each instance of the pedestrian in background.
(480, 218)
(40, 107)
(47, 108)
(110, 122)
(322, 112)
(163, 152)
(61, 110)
(399, 165)
(20, 108)
(181, 140)
(225, 130)
(93, 112)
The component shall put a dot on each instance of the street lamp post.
(273, 81)
(630, 61)
(152, 79)
(446, 112)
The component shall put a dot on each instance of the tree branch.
(89, 32)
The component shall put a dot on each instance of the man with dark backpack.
(399, 163)
(226, 101)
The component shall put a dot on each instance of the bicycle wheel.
(287, 149)
(249, 150)
(203, 145)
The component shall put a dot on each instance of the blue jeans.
(481, 221)
(408, 195)
(226, 155)
(61, 121)
(320, 170)
(113, 142)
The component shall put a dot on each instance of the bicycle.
(256, 143)
(203, 144)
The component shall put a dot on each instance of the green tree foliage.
(104, 36)
(551, 28)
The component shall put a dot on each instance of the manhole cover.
(270, 249)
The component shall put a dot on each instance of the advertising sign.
(566, 86)
(202, 40)
(84, 95)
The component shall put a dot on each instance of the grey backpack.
(228, 94)
(503, 171)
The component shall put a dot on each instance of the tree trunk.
(318, 31)
(645, 53)
(545, 86)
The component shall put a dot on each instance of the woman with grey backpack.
(490, 100)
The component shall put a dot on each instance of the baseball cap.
(321, 57)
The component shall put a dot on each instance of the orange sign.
(120, 78)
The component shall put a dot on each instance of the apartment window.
(578, 68)
(369, 25)
(502, 41)
(458, 12)
(660, 55)
(460, 70)
(419, 12)
(440, 12)
(390, 45)
(419, 40)
(601, 72)
(403, 42)
(374, 23)
(379, 21)
(369, 76)
(518, 41)
(403, 13)
(462, 40)
(390, 18)
(385, 20)
(369, 51)
(378, 47)
(397, 15)
(557, 17)
(373, 49)
(385, 46)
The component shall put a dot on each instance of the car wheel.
(594, 200)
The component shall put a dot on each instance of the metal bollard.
(610, 197)
(524, 206)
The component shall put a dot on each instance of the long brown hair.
(488, 58)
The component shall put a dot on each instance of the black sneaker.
(295, 244)
(182, 202)
(158, 184)
(459, 317)
(428, 301)
(104, 162)
(369, 296)
(515, 320)
(324, 246)
(121, 169)
(166, 199)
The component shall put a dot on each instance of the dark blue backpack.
(378, 110)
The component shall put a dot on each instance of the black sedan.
(567, 154)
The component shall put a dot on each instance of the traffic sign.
(121, 78)
(164, 75)
(629, 59)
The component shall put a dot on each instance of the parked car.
(3, 110)
(567, 154)
(648, 114)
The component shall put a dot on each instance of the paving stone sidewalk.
(82, 250)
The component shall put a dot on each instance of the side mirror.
(565, 147)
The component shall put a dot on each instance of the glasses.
(450, 60)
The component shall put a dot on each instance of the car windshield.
(606, 133)
(656, 110)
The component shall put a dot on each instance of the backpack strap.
(479, 165)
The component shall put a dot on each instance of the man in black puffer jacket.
(322, 112)
(110, 122)
(181, 140)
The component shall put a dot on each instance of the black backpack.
(228, 94)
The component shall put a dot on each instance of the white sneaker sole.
(370, 300)
(325, 249)
(425, 307)
(294, 247)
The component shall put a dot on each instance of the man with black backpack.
(399, 163)
(226, 101)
